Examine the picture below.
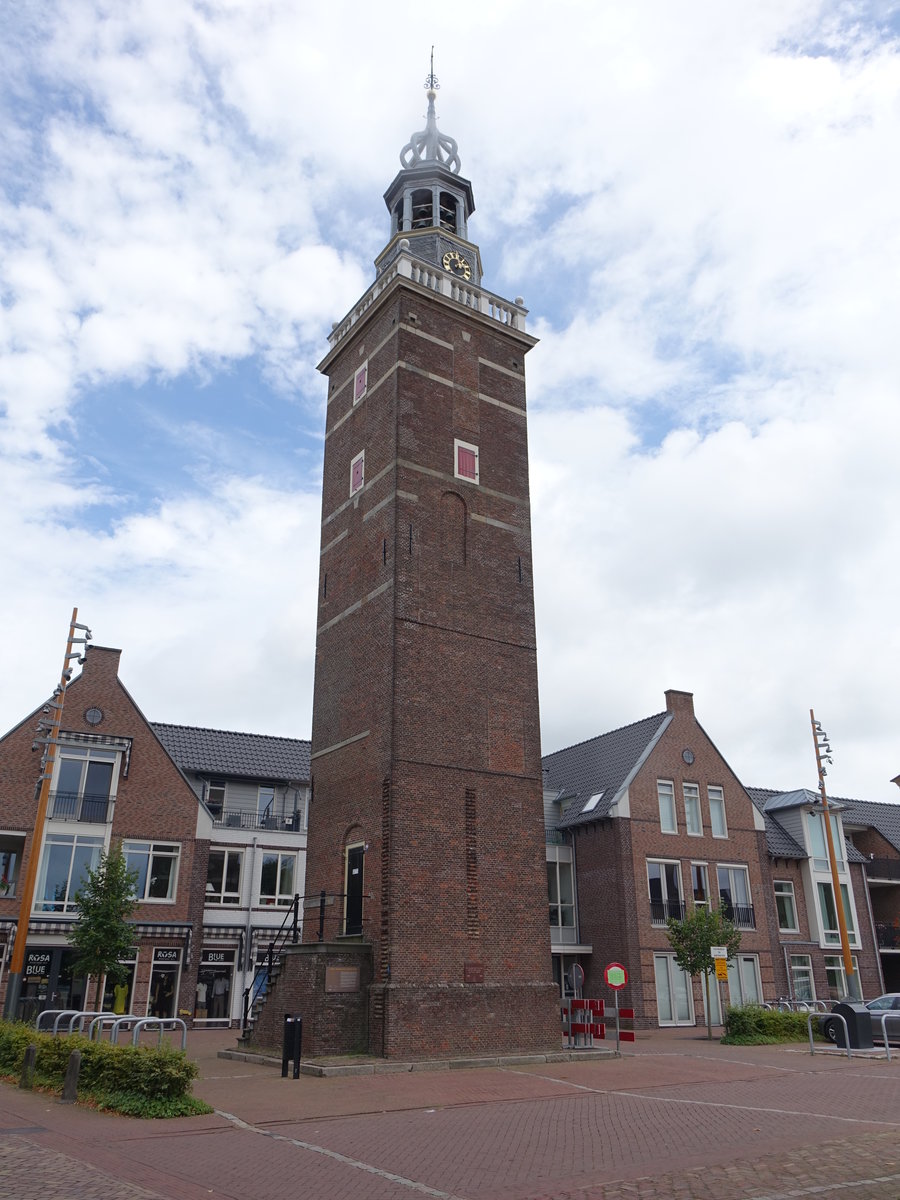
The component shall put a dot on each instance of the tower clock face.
(457, 264)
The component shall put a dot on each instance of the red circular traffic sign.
(616, 976)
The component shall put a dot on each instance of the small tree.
(693, 938)
(102, 936)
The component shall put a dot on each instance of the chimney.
(680, 702)
(101, 665)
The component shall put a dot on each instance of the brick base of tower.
(400, 1021)
(464, 1020)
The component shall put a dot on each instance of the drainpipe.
(865, 878)
(248, 960)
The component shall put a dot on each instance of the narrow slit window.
(360, 382)
(466, 465)
(357, 473)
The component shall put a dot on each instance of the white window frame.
(801, 965)
(665, 899)
(703, 868)
(832, 937)
(278, 898)
(789, 896)
(692, 789)
(736, 979)
(218, 898)
(561, 931)
(84, 756)
(359, 458)
(737, 870)
(834, 964)
(817, 842)
(65, 904)
(360, 374)
(460, 445)
(669, 798)
(162, 850)
(715, 795)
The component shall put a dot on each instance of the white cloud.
(697, 202)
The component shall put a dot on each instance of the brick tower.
(426, 827)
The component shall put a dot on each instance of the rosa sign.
(616, 976)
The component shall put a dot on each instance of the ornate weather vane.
(431, 80)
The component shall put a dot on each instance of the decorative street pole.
(48, 737)
(823, 755)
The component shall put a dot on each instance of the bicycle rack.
(161, 1023)
(836, 1017)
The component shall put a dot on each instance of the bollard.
(293, 1041)
(26, 1079)
(70, 1086)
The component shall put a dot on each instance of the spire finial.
(431, 80)
(430, 143)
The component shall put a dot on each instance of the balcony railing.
(662, 910)
(888, 935)
(740, 915)
(291, 822)
(81, 806)
(883, 868)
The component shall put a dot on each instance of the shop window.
(65, 862)
(223, 877)
(276, 884)
(165, 976)
(156, 864)
(214, 986)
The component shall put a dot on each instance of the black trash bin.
(859, 1026)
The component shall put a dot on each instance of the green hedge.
(132, 1078)
(753, 1025)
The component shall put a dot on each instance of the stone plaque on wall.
(473, 972)
(342, 979)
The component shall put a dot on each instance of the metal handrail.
(253, 992)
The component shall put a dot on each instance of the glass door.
(673, 992)
(743, 980)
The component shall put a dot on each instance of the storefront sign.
(217, 958)
(37, 965)
(167, 955)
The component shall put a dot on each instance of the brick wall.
(426, 739)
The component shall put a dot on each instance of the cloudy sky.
(698, 202)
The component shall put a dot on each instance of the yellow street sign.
(721, 968)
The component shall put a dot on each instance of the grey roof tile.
(246, 755)
(601, 764)
(780, 843)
